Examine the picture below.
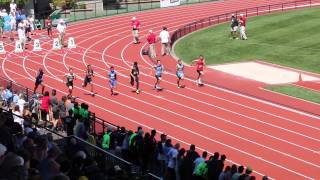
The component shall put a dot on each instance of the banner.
(169, 3)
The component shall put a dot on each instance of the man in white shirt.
(164, 39)
(22, 35)
(13, 6)
(62, 30)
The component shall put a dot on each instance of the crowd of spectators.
(37, 156)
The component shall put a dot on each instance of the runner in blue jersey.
(112, 80)
(158, 75)
(180, 73)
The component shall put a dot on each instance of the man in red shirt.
(200, 63)
(135, 24)
(243, 21)
(152, 44)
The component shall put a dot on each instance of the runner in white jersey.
(180, 73)
(70, 78)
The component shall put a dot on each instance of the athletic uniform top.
(39, 77)
(135, 71)
(200, 64)
(135, 24)
(243, 21)
(113, 75)
(70, 77)
(159, 69)
(89, 74)
(180, 68)
(234, 21)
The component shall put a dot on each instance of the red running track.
(277, 141)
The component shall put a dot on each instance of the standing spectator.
(70, 123)
(135, 24)
(246, 175)
(180, 160)
(152, 44)
(236, 175)
(200, 160)
(13, 25)
(172, 162)
(44, 108)
(22, 35)
(106, 139)
(234, 26)
(220, 166)
(1, 25)
(13, 6)
(21, 102)
(226, 174)
(7, 95)
(243, 22)
(164, 39)
(234, 170)
(17, 116)
(16, 97)
(161, 154)
(54, 109)
(61, 27)
(191, 156)
(48, 24)
(62, 109)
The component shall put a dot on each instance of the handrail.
(254, 11)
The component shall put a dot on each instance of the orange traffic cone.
(300, 77)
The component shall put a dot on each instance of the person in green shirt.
(1, 26)
(106, 139)
(201, 171)
(83, 111)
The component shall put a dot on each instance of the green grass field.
(298, 92)
(289, 39)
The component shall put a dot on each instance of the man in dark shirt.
(234, 26)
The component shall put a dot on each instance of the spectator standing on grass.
(246, 175)
(106, 139)
(161, 157)
(135, 24)
(62, 109)
(243, 23)
(21, 102)
(234, 26)
(61, 27)
(16, 97)
(165, 40)
(152, 44)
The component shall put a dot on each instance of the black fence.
(256, 11)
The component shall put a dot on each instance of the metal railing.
(87, 10)
(256, 11)
(97, 126)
